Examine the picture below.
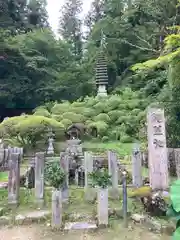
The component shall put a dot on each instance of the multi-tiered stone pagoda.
(101, 72)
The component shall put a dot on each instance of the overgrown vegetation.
(174, 209)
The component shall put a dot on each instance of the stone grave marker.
(56, 221)
(113, 171)
(90, 193)
(64, 163)
(39, 177)
(137, 166)
(14, 179)
(177, 161)
(157, 151)
(102, 206)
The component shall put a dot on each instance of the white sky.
(54, 7)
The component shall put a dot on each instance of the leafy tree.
(70, 25)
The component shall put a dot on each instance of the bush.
(60, 108)
(100, 178)
(102, 117)
(55, 175)
(100, 126)
(115, 115)
(113, 103)
(42, 112)
(58, 118)
(66, 123)
(75, 118)
(126, 139)
(105, 139)
(28, 130)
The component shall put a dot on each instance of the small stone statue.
(50, 149)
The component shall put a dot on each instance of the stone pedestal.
(14, 179)
(56, 221)
(102, 90)
(102, 207)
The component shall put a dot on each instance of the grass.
(122, 149)
(3, 176)
(76, 200)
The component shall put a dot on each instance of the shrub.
(135, 111)
(60, 108)
(89, 113)
(105, 139)
(58, 118)
(75, 118)
(99, 107)
(54, 174)
(102, 117)
(28, 130)
(100, 178)
(115, 114)
(66, 123)
(42, 112)
(100, 126)
(113, 103)
(126, 139)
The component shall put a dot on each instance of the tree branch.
(142, 48)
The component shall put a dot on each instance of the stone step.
(80, 226)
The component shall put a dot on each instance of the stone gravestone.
(177, 160)
(102, 206)
(90, 193)
(136, 166)
(157, 151)
(2, 158)
(14, 179)
(172, 162)
(64, 163)
(113, 171)
(39, 177)
(56, 221)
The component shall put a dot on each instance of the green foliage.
(174, 209)
(42, 112)
(54, 175)
(28, 130)
(66, 123)
(102, 117)
(126, 139)
(105, 139)
(101, 127)
(75, 118)
(100, 178)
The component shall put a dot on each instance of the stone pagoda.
(101, 71)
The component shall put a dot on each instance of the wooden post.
(56, 221)
(157, 151)
(136, 167)
(39, 177)
(14, 179)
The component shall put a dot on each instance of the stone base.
(80, 226)
(102, 90)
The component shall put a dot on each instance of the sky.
(54, 7)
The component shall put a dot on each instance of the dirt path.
(37, 232)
